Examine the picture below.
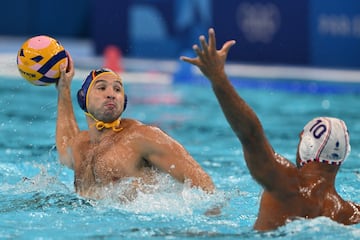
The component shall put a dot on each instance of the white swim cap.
(325, 140)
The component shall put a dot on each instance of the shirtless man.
(112, 148)
(304, 190)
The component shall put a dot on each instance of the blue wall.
(57, 18)
(334, 33)
(267, 31)
(308, 32)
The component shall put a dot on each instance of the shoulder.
(342, 211)
(144, 131)
(131, 124)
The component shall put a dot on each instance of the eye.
(101, 87)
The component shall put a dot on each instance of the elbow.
(65, 154)
(65, 158)
(208, 186)
(66, 161)
(205, 183)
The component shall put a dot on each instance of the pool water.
(37, 198)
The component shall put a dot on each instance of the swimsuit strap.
(115, 125)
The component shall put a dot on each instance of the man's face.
(106, 98)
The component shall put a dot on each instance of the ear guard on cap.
(81, 99)
(125, 101)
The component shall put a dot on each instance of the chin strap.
(115, 125)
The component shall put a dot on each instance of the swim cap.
(324, 139)
(87, 84)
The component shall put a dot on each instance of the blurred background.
(311, 33)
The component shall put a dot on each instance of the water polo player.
(305, 190)
(115, 148)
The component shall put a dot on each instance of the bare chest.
(107, 162)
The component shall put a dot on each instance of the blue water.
(37, 199)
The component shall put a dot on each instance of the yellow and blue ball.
(39, 60)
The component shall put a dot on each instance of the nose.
(110, 94)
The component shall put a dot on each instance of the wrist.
(218, 78)
(63, 90)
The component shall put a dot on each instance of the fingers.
(67, 72)
(63, 67)
(212, 39)
(211, 45)
(192, 60)
(70, 64)
(207, 48)
(189, 60)
(197, 50)
(62, 74)
(204, 45)
(226, 47)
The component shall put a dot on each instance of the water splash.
(165, 197)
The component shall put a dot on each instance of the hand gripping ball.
(39, 60)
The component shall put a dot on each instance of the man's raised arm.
(259, 155)
(66, 126)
